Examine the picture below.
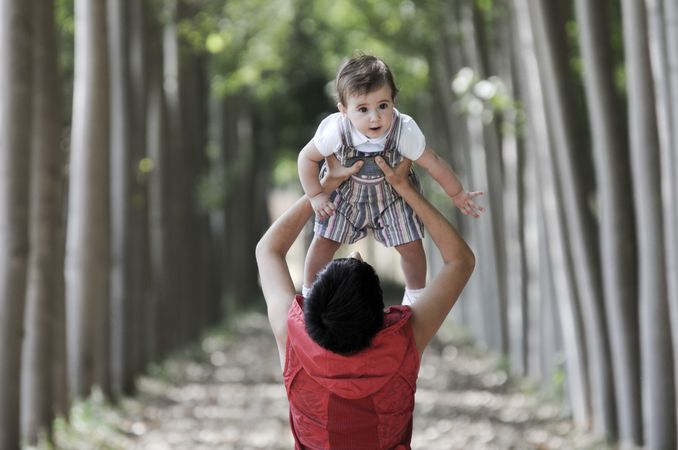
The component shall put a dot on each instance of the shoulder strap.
(392, 143)
(345, 131)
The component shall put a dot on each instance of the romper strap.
(392, 144)
(345, 132)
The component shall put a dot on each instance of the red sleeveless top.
(361, 401)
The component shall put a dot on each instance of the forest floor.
(226, 393)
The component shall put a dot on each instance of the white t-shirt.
(327, 138)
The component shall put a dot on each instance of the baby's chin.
(375, 132)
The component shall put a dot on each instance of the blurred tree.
(15, 140)
(87, 240)
(559, 90)
(44, 340)
(615, 212)
(659, 416)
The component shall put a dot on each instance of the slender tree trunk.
(457, 149)
(552, 212)
(240, 206)
(196, 228)
(486, 174)
(513, 160)
(15, 131)
(617, 244)
(177, 321)
(529, 215)
(87, 240)
(670, 170)
(44, 289)
(581, 229)
(159, 198)
(656, 350)
(140, 256)
(659, 44)
(128, 194)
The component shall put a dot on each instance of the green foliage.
(91, 424)
(484, 5)
(285, 172)
(555, 389)
(247, 48)
(65, 24)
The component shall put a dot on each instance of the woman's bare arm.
(440, 295)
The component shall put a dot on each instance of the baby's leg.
(320, 252)
(413, 262)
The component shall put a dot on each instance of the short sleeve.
(412, 140)
(326, 137)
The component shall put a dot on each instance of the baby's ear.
(341, 108)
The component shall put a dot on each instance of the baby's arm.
(441, 171)
(307, 164)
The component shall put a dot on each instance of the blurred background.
(146, 145)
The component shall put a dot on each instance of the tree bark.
(140, 254)
(87, 239)
(45, 291)
(670, 168)
(551, 209)
(513, 161)
(174, 329)
(656, 352)
(122, 172)
(659, 43)
(581, 230)
(617, 233)
(485, 174)
(15, 132)
(159, 191)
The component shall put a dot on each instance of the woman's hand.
(335, 175)
(398, 176)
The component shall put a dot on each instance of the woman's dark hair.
(345, 308)
(361, 75)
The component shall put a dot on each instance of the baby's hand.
(322, 205)
(464, 201)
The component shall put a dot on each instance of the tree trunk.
(513, 160)
(122, 172)
(45, 289)
(656, 351)
(240, 206)
(670, 165)
(87, 240)
(159, 191)
(659, 36)
(173, 327)
(140, 253)
(617, 233)
(485, 174)
(530, 219)
(195, 113)
(581, 230)
(15, 131)
(456, 150)
(551, 209)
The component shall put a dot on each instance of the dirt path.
(227, 394)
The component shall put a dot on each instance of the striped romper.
(366, 200)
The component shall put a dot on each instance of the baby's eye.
(362, 109)
(383, 106)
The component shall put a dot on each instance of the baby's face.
(372, 113)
